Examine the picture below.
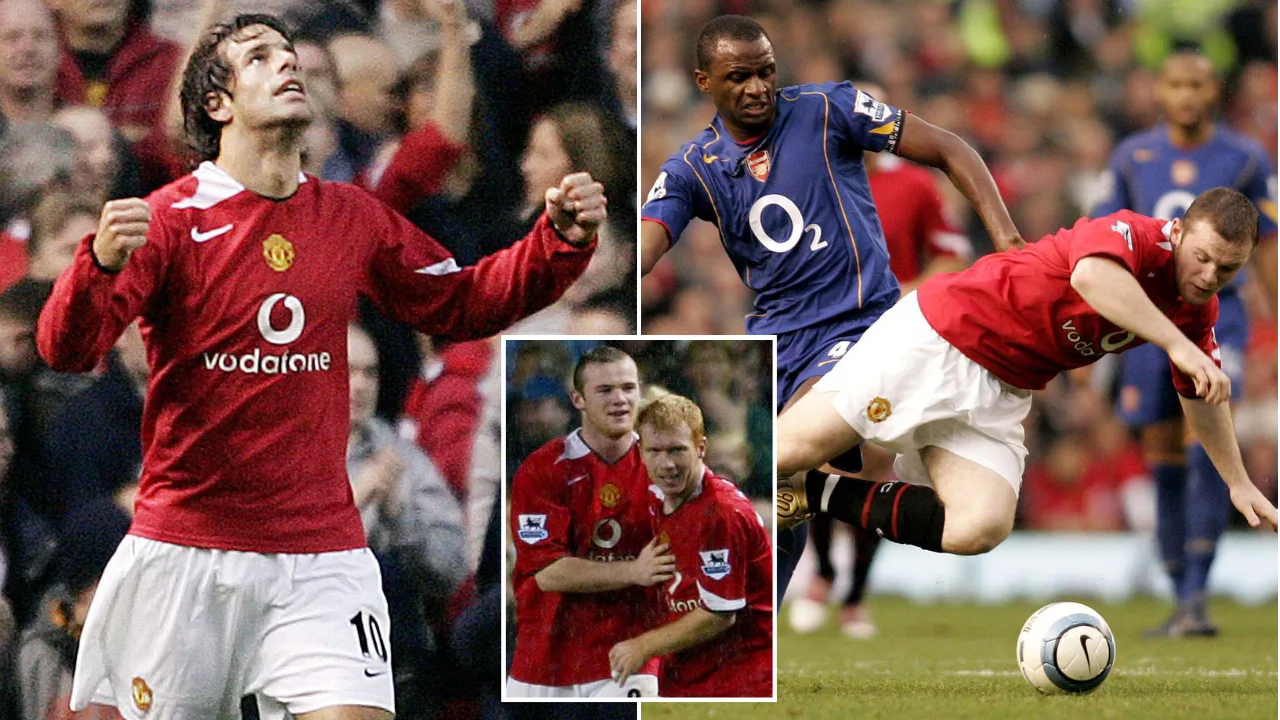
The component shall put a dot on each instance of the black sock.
(820, 531)
(898, 511)
(864, 548)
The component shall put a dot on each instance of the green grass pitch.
(946, 661)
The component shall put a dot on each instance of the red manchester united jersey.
(1016, 314)
(567, 501)
(244, 303)
(915, 225)
(724, 563)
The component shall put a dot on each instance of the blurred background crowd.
(459, 115)
(1043, 90)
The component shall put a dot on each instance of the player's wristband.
(566, 240)
(96, 263)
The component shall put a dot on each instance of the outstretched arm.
(695, 628)
(441, 298)
(654, 243)
(1212, 425)
(931, 145)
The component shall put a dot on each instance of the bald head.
(366, 70)
(96, 159)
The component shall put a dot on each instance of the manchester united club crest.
(878, 410)
(758, 164)
(141, 694)
(278, 253)
(610, 495)
(1183, 172)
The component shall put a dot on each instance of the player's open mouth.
(756, 108)
(294, 87)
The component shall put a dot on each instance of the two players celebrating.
(638, 571)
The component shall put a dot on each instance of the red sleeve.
(539, 517)
(1200, 330)
(452, 417)
(416, 281)
(723, 554)
(89, 307)
(941, 238)
(418, 168)
(1113, 236)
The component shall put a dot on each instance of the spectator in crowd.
(97, 438)
(58, 223)
(413, 524)
(105, 169)
(111, 60)
(33, 158)
(576, 135)
(367, 72)
(28, 62)
(47, 653)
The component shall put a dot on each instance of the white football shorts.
(637, 686)
(903, 387)
(179, 632)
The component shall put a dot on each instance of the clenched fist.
(122, 228)
(577, 207)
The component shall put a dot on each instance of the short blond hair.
(669, 412)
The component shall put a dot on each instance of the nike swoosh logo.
(708, 159)
(368, 673)
(210, 234)
(577, 479)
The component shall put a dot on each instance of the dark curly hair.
(207, 72)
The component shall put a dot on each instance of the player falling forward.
(718, 640)
(780, 173)
(1158, 173)
(584, 546)
(246, 570)
(945, 377)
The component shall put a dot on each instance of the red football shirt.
(724, 563)
(910, 208)
(244, 304)
(1016, 314)
(567, 501)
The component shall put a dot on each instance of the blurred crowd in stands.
(458, 114)
(1043, 90)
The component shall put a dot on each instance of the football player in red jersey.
(718, 640)
(585, 549)
(246, 570)
(945, 377)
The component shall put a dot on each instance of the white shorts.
(903, 387)
(636, 686)
(178, 632)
